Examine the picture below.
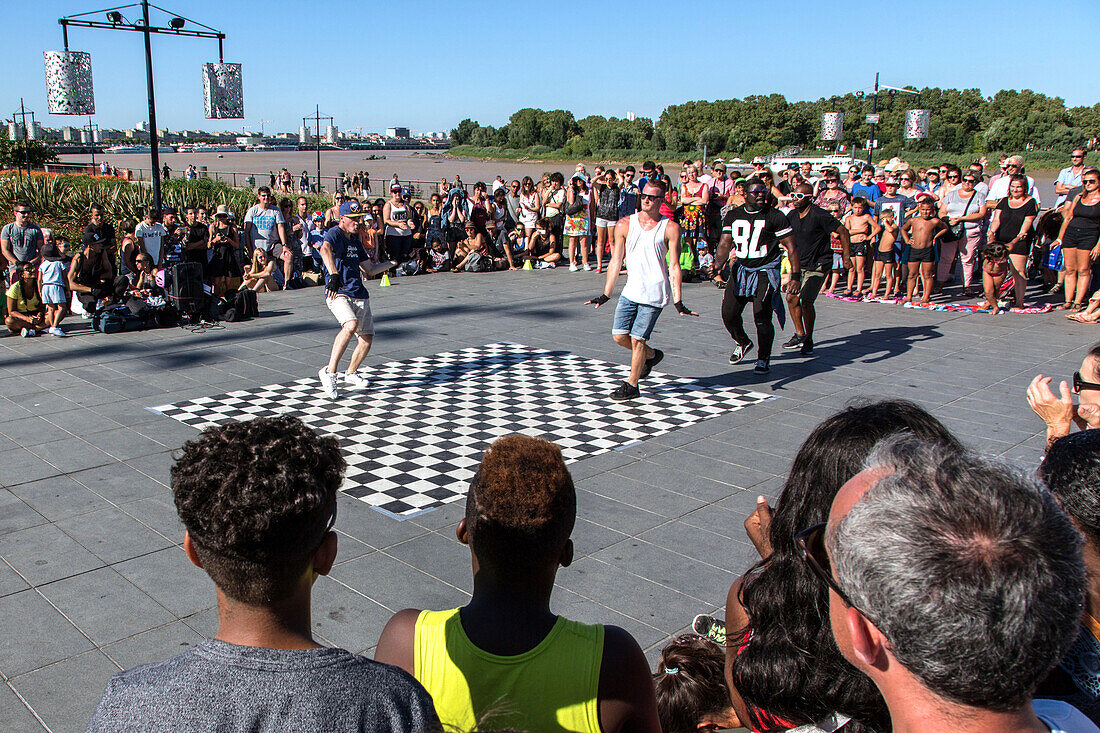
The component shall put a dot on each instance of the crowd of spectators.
(904, 583)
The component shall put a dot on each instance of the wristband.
(680, 307)
(796, 274)
(601, 299)
(334, 282)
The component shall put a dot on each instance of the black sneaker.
(626, 391)
(739, 351)
(807, 347)
(762, 366)
(652, 362)
(794, 342)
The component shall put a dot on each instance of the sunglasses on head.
(1080, 384)
(811, 541)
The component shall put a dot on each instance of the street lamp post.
(116, 21)
(317, 117)
(873, 118)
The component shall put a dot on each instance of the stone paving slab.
(92, 578)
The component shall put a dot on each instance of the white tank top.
(647, 265)
(398, 213)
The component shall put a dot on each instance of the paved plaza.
(93, 578)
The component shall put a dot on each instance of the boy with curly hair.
(258, 501)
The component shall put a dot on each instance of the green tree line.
(962, 121)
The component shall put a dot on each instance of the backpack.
(116, 319)
(243, 306)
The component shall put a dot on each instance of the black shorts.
(858, 249)
(1023, 247)
(887, 256)
(1079, 239)
(927, 254)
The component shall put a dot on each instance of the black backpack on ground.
(243, 306)
(117, 318)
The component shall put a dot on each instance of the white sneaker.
(328, 382)
(355, 380)
(56, 331)
(573, 267)
(587, 267)
(28, 332)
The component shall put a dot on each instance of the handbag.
(957, 231)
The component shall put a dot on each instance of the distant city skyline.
(428, 65)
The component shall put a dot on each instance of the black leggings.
(732, 306)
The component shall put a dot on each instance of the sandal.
(1063, 306)
(1077, 307)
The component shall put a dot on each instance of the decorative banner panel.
(916, 123)
(832, 126)
(222, 92)
(69, 83)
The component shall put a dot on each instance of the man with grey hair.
(957, 585)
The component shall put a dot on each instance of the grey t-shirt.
(265, 226)
(25, 241)
(957, 206)
(226, 687)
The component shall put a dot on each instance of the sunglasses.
(811, 542)
(798, 195)
(650, 196)
(1080, 384)
(24, 212)
(952, 178)
(1077, 156)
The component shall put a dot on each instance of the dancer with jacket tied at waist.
(644, 241)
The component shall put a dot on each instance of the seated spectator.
(143, 289)
(1058, 412)
(260, 274)
(51, 284)
(26, 315)
(783, 665)
(691, 692)
(472, 253)
(436, 258)
(258, 503)
(505, 660)
(956, 585)
(543, 245)
(91, 275)
(1071, 471)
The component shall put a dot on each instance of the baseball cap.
(757, 160)
(91, 238)
(352, 209)
(395, 187)
(892, 181)
(792, 166)
(317, 215)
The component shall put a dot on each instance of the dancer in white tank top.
(646, 241)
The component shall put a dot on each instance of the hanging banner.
(917, 122)
(223, 94)
(69, 82)
(832, 126)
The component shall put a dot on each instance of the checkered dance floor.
(413, 439)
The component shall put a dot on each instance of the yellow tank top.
(549, 689)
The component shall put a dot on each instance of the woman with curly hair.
(783, 667)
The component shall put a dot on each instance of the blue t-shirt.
(871, 193)
(348, 253)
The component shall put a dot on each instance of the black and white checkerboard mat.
(413, 439)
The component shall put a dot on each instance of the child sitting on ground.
(52, 288)
(920, 232)
(995, 267)
(542, 245)
(884, 255)
(436, 258)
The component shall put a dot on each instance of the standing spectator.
(505, 660)
(1011, 226)
(303, 183)
(553, 203)
(932, 181)
(957, 586)
(257, 500)
(26, 315)
(21, 240)
(51, 288)
(165, 172)
(1069, 178)
(530, 204)
(224, 247)
(196, 241)
(397, 217)
(1080, 240)
(628, 195)
(866, 186)
(301, 225)
(575, 212)
(606, 192)
(265, 229)
(999, 189)
(512, 200)
(332, 213)
(963, 210)
(694, 203)
(832, 192)
(100, 227)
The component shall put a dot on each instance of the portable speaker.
(185, 291)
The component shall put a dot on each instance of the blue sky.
(427, 65)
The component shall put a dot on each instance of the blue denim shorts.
(637, 319)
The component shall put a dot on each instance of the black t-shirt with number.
(756, 234)
(811, 237)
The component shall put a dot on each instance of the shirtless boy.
(920, 232)
(885, 255)
(863, 230)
